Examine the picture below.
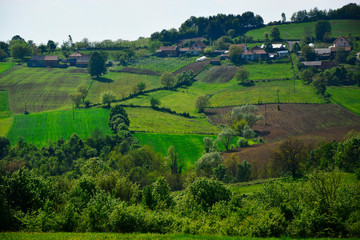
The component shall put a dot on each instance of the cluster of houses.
(175, 51)
(325, 55)
(76, 59)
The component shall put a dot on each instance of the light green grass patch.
(162, 65)
(149, 120)
(121, 84)
(296, 30)
(4, 66)
(42, 89)
(39, 128)
(348, 97)
(5, 125)
(270, 71)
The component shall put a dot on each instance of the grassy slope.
(39, 128)
(4, 66)
(348, 97)
(270, 71)
(121, 84)
(5, 125)
(148, 120)
(4, 105)
(296, 30)
(41, 89)
(162, 65)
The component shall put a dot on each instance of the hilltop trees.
(321, 29)
(275, 34)
(97, 64)
(19, 49)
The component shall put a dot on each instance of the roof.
(243, 46)
(190, 49)
(322, 51)
(259, 51)
(283, 52)
(77, 54)
(312, 63)
(203, 58)
(51, 58)
(37, 58)
(168, 48)
(278, 45)
(340, 38)
(334, 49)
(247, 52)
(83, 59)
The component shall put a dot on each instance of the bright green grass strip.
(148, 120)
(42, 89)
(5, 125)
(121, 84)
(4, 66)
(39, 128)
(348, 97)
(270, 71)
(4, 105)
(296, 30)
(162, 65)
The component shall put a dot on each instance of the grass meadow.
(348, 97)
(270, 71)
(4, 105)
(162, 65)
(39, 128)
(151, 121)
(296, 30)
(121, 84)
(4, 66)
(42, 89)
(5, 125)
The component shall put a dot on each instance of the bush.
(242, 142)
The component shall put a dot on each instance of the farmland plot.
(41, 89)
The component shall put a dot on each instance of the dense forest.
(111, 183)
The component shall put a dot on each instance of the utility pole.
(265, 114)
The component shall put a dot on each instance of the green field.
(151, 121)
(121, 84)
(42, 89)
(230, 94)
(39, 128)
(348, 97)
(4, 105)
(270, 71)
(296, 30)
(189, 147)
(5, 125)
(4, 66)
(162, 65)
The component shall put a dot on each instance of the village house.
(341, 42)
(254, 54)
(51, 61)
(276, 47)
(73, 58)
(320, 64)
(43, 61)
(323, 53)
(83, 61)
(168, 51)
(191, 51)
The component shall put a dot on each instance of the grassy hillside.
(149, 120)
(42, 89)
(296, 30)
(162, 65)
(4, 105)
(39, 128)
(348, 97)
(231, 93)
(121, 84)
(5, 125)
(4, 66)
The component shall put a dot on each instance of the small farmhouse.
(341, 42)
(254, 54)
(51, 61)
(320, 64)
(73, 57)
(36, 61)
(83, 61)
(168, 51)
(323, 53)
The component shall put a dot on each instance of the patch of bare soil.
(196, 67)
(310, 122)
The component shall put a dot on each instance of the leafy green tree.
(202, 102)
(242, 75)
(176, 164)
(167, 80)
(76, 98)
(83, 92)
(107, 97)
(307, 76)
(321, 28)
(161, 193)
(154, 102)
(97, 64)
(4, 147)
(19, 49)
(235, 53)
(205, 193)
(3, 55)
(348, 154)
(244, 172)
(319, 84)
(209, 145)
(51, 45)
(308, 53)
(206, 164)
(226, 136)
(283, 18)
(275, 33)
(341, 55)
(247, 132)
(246, 112)
(141, 86)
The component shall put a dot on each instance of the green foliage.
(167, 80)
(205, 193)
(97, 64)
(107, 97)
(307, 76)
(275, 34)
(242, 75)
(321, 28)
(243, 172)
(242, 142)
(226, 136)
(235, 54)
(341, 55)
(319, 84)
(308, 53)
(19, 49)
(154, 102)
(347, 156)
(201, 103)
(206, 164)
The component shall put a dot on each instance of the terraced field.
(348, 97)
(4, 66)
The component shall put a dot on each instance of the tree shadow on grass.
(103, 80)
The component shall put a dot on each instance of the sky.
(97, 20)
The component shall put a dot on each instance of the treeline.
(212, 27)
(350, 11)
(112, 183)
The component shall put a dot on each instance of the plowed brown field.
(310, 122)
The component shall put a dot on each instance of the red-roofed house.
(51, 61)
(73, 57)
(341, 42)
(168, 51)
